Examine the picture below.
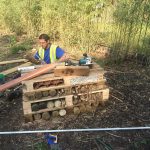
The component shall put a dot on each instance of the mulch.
(128, 106)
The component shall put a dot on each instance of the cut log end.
(62, 112)
(46, 116)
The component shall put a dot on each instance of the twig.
(116, 71)
(116, 91)
(115, 135)
(117, 98)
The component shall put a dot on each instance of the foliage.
(25, 45)
(132, 19)
(80, 25)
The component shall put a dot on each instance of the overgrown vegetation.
(80, 25)
(15, 47)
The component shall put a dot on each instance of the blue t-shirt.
(59, 53)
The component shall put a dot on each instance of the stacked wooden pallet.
(49, 96)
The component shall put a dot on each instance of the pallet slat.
(9, 71)
(13, 61)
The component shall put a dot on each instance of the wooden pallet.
(67, 102)
(13, 61)
(14, 69)
(63, 90)
(50, 81)
(48, 95)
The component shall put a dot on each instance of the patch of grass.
(25, 45)
(12, 40)
(15, 49)
(41, 146)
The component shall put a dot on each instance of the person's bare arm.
(64, 58)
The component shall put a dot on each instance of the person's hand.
(43, 62)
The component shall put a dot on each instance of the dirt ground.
(128, 106)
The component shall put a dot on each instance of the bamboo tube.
(82, 108)
(89, 108)
(38, 95)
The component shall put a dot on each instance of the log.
(46, 116)
(35, 107)
(71, 71)
(38, 95)
(62, 112)
(76, 110)
(52, 93)
(31, 97)
(37, 116)
(28, 76)
(55, 113)
(58, 103)
(45, 93)
(50, 104)
(89, 108)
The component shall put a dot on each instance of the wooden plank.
(69, 100)
(9, 71)
(71, 71)
(105, 95)
(29, 86)
(47, 82)
(94, 77)
(13, 61)
(26, 107)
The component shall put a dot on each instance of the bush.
(15, 49)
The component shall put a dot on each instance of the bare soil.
(128, 106)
